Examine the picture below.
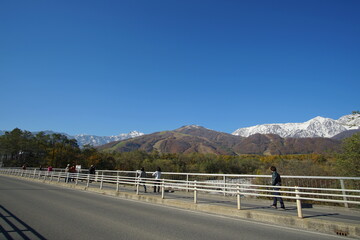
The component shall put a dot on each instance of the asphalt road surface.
(31, 210)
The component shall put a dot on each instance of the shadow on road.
(323, 215)
(11, 227)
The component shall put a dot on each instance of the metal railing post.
(187, 182)
(344, 192)
(96, 176)
(238, 197)
(88, 180)
(298, 202)
(137, 182)
(77, 178)
(34, 173)
(163, 189)
(59, 173)
(117, 182)
(224, 177)
(101, 183)
(195, 192)
(67, 177)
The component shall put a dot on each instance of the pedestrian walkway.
(330, 213)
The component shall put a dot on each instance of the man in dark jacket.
(92, 169)
(276, 181)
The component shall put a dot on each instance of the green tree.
(348, 162)
(16, 147)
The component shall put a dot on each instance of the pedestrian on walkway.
(92, 171)
(142, 175)
(157, 176)
(72, 171)
(276, 181)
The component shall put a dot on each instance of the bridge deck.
(327, 219)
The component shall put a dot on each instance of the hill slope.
(193, 138)
(171, 142)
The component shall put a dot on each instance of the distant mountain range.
(317, 135)
(316, 127)
(189, 139)
(84, 139)
(93, 140)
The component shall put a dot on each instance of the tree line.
(19, 147)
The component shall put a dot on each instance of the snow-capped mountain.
(351, 121)
(316, 127)
(93, 140)
(84, 139)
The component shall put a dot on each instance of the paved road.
(30, 210)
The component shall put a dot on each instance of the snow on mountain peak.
(351, 121)
(319, 119)
(84, 139)
(192, 126)
(315, 127)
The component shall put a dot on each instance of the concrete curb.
(317, 225)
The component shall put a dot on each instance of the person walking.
(91, 172)
(276, 181)
(157, 176)
(72, 171)
(142, 175)
(92, 169)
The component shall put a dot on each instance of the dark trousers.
(157, 185)
(277, 198)
(143, 183)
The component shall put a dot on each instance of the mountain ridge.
(93, 140)
(315, 127)
(184, 140)
(190, 139)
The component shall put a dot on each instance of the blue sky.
(109, 67)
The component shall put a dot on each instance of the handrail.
(209, 174)
(324, 194)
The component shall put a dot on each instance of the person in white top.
(157, 176)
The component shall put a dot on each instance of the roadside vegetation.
(22, 147)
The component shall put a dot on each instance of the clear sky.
(107, 67)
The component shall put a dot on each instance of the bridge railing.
(238, 186)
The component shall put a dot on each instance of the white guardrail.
(295, 188)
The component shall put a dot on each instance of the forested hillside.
(21, 147)
(197, 139)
